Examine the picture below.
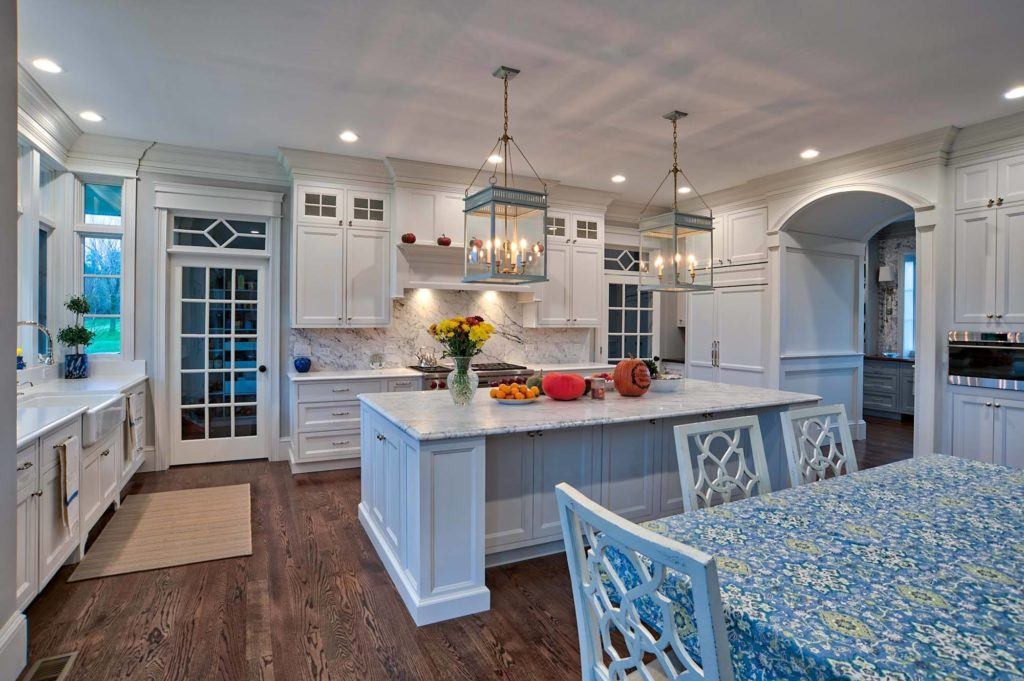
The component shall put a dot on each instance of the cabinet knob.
(999, 316)
(105, 452)
(989, 316)
(37, 493)
(988, 404)
(25, 466)
(997, 405)
(999, 201)
(991, 202)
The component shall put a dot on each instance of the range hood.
(440, 267)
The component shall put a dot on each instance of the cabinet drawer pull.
(37, 493)
(340, 443)
(25, 466)
(62, 443)
(105, 452)
(138, 420)
(402, 383)
(340, 413)
(339, 390)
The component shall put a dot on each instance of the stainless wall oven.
(987, 360)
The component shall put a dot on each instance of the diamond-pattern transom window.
(220, 233)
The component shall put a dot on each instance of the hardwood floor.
(313, 601)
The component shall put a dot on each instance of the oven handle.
(1008, 346)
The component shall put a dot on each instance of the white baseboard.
(859, 430)
(149, 460)
(13, 646)
(283, 451)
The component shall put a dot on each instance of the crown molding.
(925, 149)
(999, 134)
(299, 163)
(105, 155)
(628, 213)
(219, 165)
(42, 122)
(407, 173)
(568, 196)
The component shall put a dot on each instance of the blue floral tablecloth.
(913, 570)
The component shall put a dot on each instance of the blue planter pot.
(76, 366)
(302, 364)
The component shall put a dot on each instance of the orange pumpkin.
(563, 386)
(632, 378)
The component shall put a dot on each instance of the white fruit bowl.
(667, 385)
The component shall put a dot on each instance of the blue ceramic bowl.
(302, 364)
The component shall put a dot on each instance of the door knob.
(263, 369)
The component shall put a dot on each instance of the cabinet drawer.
(28, 465)
(328, 446)
(318, 416)
(880, 401)
(48, 451)
(399, 385)
(332, 391)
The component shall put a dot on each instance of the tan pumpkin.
(632, 378)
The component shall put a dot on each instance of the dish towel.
(134, 432)
(68, 452)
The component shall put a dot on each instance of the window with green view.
(102, 204)
(101, 284)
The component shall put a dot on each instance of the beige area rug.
(152, 531)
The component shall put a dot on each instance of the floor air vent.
(56, 668)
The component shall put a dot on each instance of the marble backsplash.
(410, 317)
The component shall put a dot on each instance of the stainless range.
(491, 374)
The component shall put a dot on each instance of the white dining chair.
(614, 638)
(811, 448)
(721, 460)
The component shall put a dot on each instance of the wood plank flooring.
(313, 601)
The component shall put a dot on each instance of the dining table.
(912, 570)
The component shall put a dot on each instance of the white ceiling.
(761, 80)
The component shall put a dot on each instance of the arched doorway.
(827, 308)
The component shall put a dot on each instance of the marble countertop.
(883, 358)
(588, 367)
(339, 374)
(36, 421)
(432, 416)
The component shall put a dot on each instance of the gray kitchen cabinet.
(888, 388)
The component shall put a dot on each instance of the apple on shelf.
(408, 238)
(444, 240)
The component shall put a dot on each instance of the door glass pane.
(193, 282)
(645, 346)
(630, 326)
(192, 353)
(245, 284)
(614, 321)
(245, 421)
(220, 318)
(220, 283)
(630, 297)
(614, 347)
(245, 353)
(220, 422)
(220, 233)
(220, 387)
(220, 353)
(245, 386)
(193, 424)
(615, 295)
(245, 318)
(193, 317)
(192, 388)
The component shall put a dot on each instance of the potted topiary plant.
(76, 365)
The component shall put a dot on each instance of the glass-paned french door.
(219, 349)
(630, 329)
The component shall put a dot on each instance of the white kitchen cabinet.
(1008, 432)
(428, 214)
(319, 280)
(680, 305)
(26, 567)
(990, 183)
(508, 515)
(988, 271)
(320, 205)
(1009, 278)
(367, 278)
(56, 542)
(90, 498)
(110, 456)
(559, 456)
(725, 335)
(367, 209)
(628, 461)
(670, 496)
(341, 277)
(746, 237)
(575, 262)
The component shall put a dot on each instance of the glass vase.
(462, 381)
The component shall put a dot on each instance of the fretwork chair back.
(818, 443)
(721, 461)
(619, 574)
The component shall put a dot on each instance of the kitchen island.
(448, 491)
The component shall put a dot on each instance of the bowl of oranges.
(515, 393)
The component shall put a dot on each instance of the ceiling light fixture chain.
(675, 171)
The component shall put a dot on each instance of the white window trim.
(126, 230)
(612, 277)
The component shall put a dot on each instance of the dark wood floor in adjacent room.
(313, 601)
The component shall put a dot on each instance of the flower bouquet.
(462, 338)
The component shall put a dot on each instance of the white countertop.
(342, 374)
(36, 421)
(432, 416)
(586, 367)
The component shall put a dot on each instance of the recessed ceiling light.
(348, 136)
(618, 178)
(684, 190)
(1015, 93)
(494, 158)
(809, 153)
(90, 116)
(48, 65)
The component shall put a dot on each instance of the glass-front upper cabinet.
(320, 205)
(587, 227)
(367, 209)
(342, 207)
